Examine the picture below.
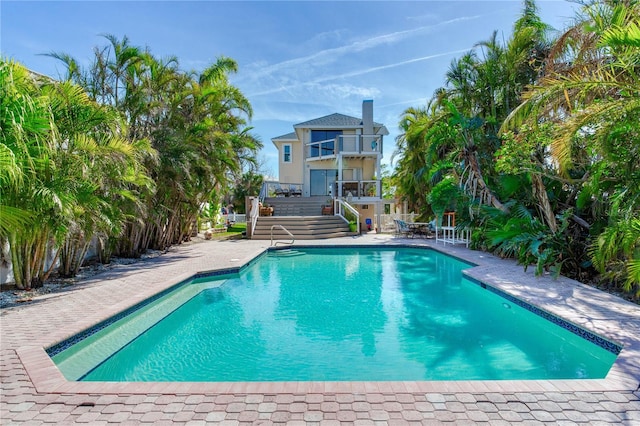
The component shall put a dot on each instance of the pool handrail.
(293, 240)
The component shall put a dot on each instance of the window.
(286, 153)
(325, 148)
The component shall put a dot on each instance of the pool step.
(302, 227)
(285, 253)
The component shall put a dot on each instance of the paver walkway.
(33, 391)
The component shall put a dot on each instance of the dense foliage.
(126, 150)
(535, 142)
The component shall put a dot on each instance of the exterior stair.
(302, 227)
(296, 206)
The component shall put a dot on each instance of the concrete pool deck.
(34, 391)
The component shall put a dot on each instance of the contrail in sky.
(333, 53)
(357, 72)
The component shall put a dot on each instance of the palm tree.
(95, 164)
(195, 123)
(411, 174)
(28, 202)
(592, 90)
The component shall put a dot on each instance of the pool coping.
(623, 376)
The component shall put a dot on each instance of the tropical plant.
(194, 121)
(591, 89)
(81, 158)
(70, 169)
(31, 203)
(97, 165)
(248, 184)
(457, 134)
(541, 126)
(25, 124)
(616, 254)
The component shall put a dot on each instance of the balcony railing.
(277, 189)
(345, 144)
(358, 188)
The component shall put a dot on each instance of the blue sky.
(298, 60)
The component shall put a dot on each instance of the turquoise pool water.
(339, 314)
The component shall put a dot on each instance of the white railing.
(340, 206)
(449, 233)
(233, 218)
(320, 149)
(277, 189)
(345, 144)
(358, 188)
(387, 221)
(359, 144)
(254, 213)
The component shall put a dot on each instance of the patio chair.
(350, 187)
(402, 229)
(295, 191)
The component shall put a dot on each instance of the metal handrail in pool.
(293, 240)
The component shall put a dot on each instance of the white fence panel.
(387, 223)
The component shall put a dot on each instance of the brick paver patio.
(34, 391)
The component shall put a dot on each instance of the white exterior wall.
(290, 172)
(6, 269)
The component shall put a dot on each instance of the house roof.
(334, 121)
(288, 137)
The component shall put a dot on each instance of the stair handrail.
(293, 240)
(254, 213)
(341, 203)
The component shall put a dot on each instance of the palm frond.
(633, 276)
(13, 219)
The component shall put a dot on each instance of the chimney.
(367, 117)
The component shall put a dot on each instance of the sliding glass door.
(322, 182)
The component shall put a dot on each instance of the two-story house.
(335, 156)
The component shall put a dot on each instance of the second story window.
(326, 139)
(286, 153)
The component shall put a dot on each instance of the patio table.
(419, 228)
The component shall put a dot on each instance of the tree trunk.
(541, 196)
(472, 161)
(16, 261)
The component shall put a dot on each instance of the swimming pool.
(339, 314)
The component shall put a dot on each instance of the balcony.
(277, 189)
(359, 190)
(355, 146)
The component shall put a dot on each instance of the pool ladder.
(293, 240)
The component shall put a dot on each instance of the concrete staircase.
(296, 206)
(302, 227)
(302, 217)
